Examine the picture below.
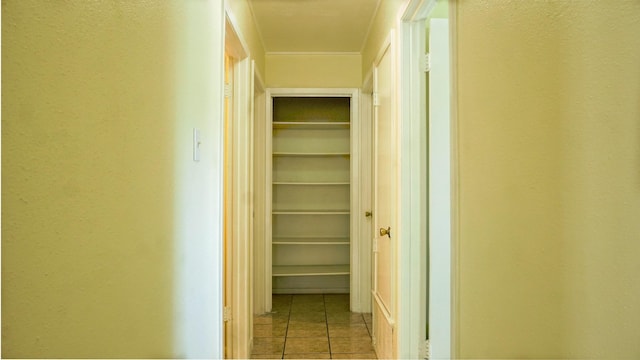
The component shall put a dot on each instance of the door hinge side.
(226, 315)
(376, 99)
(425, 350)
(227, 90)
(426, 62)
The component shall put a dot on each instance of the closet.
(312, 190)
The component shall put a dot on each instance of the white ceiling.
(313, 25)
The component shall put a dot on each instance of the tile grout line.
(286, 332)
(326, 321)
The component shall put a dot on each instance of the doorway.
(428, 192)
(237, 205)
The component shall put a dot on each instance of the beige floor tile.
(371, 355)
(260, 356)
(270, 319)
(311, 298)
(294, 325)
(264, 346)
(281, 307)
(307, 333)
(336, 298)
(307, 308)
(281, 310)
(351, 345)
(345, 318)
(337, 307)
(307, 345)
(281, 298)
(315, 316)
(368, 321)
(270, 330)
(307, 356)
(348, 330)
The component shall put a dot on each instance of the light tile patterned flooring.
(312, 327)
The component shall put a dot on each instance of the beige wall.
(549, 126)
(242, 13)
(314, 70)
(384, 21)
(93, 94)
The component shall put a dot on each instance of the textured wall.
(314, 70)
(549, 118)
(99, 193)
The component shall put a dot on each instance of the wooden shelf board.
(311, 125)
(310, 270)
(310, 241)
(310, 183)
(310, 212)
(310, 154)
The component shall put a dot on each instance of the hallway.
(312, 327)
(114, 174)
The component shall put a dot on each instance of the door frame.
(359, 273)
(259, 215)
(415, 178)
(241, 205)
(366, 192)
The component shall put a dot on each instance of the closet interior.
(311, 194)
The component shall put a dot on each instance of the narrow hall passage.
(312, 327)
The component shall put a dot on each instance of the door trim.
(240, 149)
(413, 299)
(366, 192)
(358, 274)
(412, 293)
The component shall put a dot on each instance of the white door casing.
(358, 275)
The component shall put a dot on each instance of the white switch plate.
(196, 144)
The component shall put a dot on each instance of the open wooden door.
(385, 205)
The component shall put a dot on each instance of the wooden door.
(385, 205)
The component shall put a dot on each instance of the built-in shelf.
(311, 125)
(310, 241)
(310, 212)
(310, 183)
(310, 194)
(311, 154)
(310, 270)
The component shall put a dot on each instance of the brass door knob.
(386, 231)
(368, 214)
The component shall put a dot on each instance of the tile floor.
(312, 327)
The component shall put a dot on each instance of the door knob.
(367, 214)
(386, 231)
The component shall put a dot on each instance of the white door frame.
(366, 192)
(415, 178)
(241, 204)
(259, 194)
(359, 273)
